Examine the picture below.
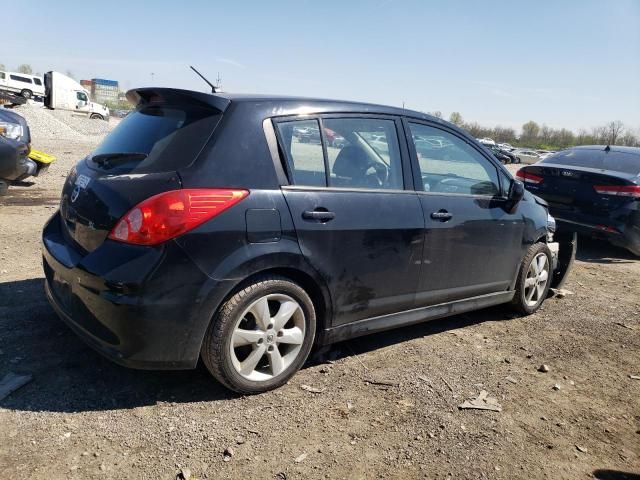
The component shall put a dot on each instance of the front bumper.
(140, 307)
(563, 252)
(14, 163)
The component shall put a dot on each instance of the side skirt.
(410, 317)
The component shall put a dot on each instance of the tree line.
(27, 70)
(534, 135)
(24, 68)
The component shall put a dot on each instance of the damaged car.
(205, 227)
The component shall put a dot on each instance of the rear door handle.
(321, 215)
(441, 215)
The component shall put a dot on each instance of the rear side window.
(156, 138)
(356, 153)
(363, 153)
(304, 152)
(625, 162)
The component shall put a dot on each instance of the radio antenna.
(213, 88)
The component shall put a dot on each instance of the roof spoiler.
(147, 96)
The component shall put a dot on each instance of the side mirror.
(516, 193)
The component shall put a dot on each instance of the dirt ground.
(388, 403)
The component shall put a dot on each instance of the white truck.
(64, 93)
(28, 86)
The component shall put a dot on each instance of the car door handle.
(321, 215)
(441, 215)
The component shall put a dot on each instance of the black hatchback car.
(203, 227)
(593, 190)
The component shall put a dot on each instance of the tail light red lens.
(528, 177)
(169, 214)
(619, 190)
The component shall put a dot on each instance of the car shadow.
(68, 376)
(614, 475)
(600, 251)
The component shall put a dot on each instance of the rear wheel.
(534, 279)
(261, 336)
(26, 93)
(96, 116)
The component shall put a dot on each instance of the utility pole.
(218, 82)
(152, 74)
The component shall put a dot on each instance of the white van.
(28, 86)
(64, 93)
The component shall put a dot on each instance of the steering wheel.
(380, 175)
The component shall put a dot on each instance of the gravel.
(63, 125)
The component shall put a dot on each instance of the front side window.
(363, 153)
(81, 96)
(448, 164)
(301, 143)
(37, 81)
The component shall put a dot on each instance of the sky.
(564, 63)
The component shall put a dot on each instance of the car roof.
(342, 106)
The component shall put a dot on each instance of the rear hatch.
(585, 184)
(140, 158)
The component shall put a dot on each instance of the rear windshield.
(160, 138)
(616, 161)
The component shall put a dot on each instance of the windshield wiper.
(107, 159)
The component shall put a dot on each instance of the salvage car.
(199, 228)
(593, 190)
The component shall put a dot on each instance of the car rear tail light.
(169, 214)
(528, 177)
(619, 190)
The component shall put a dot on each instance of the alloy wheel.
(537, 278)
(267, 337)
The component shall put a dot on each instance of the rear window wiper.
(107, 159)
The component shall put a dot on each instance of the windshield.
(159, 138)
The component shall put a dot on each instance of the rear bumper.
(140, 307)
(625, 235)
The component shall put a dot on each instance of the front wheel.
(96, 116)
(534, 279)
(26, 93)
(261, 336)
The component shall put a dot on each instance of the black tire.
(519, 302)
(96, 116)
(216, 346)
(26, 93)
